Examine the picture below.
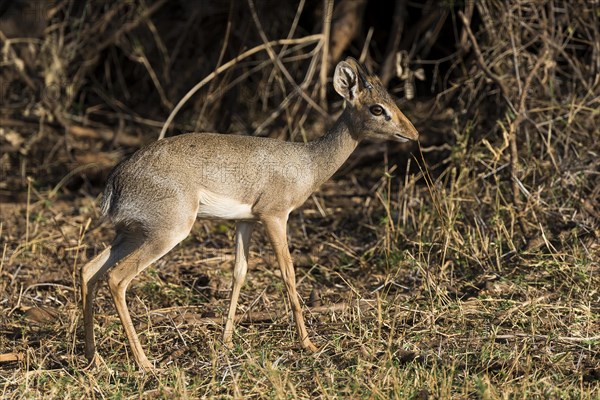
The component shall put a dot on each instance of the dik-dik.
(154, 196)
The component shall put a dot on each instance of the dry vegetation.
(464, 267)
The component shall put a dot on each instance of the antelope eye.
(376, 110)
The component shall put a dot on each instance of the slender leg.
(91, 273)
(242, 246)
(276, 230)
(120, 276)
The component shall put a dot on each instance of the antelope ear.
(345, 81)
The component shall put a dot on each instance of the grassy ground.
(468, 268)
(431, 299)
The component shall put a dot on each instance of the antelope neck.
(330, 151)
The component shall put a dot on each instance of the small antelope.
(154, 196)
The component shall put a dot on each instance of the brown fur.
(154, 196)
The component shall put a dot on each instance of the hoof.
(310, 347)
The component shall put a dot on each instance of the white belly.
(215, 206)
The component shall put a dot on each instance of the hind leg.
(151, 249)
(91, 273)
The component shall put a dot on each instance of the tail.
(107, 196)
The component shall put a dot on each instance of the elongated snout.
(406, 130)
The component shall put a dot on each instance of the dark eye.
(376, 110)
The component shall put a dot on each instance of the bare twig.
(129, 26)
(277, 62)
(346, 20)
(469, 6)
(328, 10)
(221, 56)
(19, 65)
(481, 62)
(11, 357)
(225, 67)
(387, 69)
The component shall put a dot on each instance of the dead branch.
(387, 70)
(347, 16)
(226, 66)
(481, 62)
(11, 357)
(325, 63)
(464, 36)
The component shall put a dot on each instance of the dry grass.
(482, 323)
(468, 268)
